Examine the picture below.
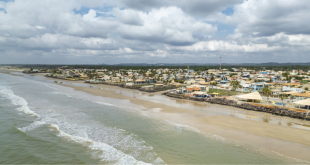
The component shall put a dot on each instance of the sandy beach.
(238, 125)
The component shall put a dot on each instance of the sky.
(154, 31)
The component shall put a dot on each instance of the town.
(288, 88)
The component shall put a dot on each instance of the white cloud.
(144, 30)
(265, 17)
(167, 25)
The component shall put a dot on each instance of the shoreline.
(211, 119)
(292, 142)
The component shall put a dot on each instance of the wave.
(60, 93)
(32, 126)
(17, 100)
(107, 153)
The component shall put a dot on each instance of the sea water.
(45, 123)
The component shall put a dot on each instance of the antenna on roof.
(220, 63)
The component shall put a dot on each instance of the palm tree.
(292, 98)
(235, 84)
(282, 98)
(267, 92)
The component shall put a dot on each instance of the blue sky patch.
(228, 11)
(3, 10)
(101, 11)
(224, 30)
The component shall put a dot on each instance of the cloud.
(166, 25)
(199, 8)
(128, 16)
(266, 18)
(35, 31)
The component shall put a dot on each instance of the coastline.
(208, 119)
(292, 142)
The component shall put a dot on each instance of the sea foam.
(17, 100)
(108, 154)
(32, 126)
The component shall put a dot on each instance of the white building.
(287, 89)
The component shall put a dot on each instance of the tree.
(267, 92)
(306, 88)
(90, 76)
(282, 98)
(235, 84)
(212, 77)
(292, 98)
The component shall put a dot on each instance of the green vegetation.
(231, 74)
(235, 84)
(282, 99)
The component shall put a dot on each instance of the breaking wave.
(17, 100)
(107, 154)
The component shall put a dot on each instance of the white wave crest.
(60, 93)
(104, 103)
(180, 127)
(108, 154)
(17, 100)
(32, 126)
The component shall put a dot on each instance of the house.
(139, 81)
(290, 89)
(246, 74)
(190, 81)
(257, 86)
(198, 80)
(191, 89)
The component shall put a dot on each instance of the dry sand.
(289, 141)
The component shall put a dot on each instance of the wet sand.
(8, 71)
(214, 119)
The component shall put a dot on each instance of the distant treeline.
(195, 68)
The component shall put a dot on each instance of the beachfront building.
(140, 81)
(258, 86)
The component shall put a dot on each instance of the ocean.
(45, 123)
